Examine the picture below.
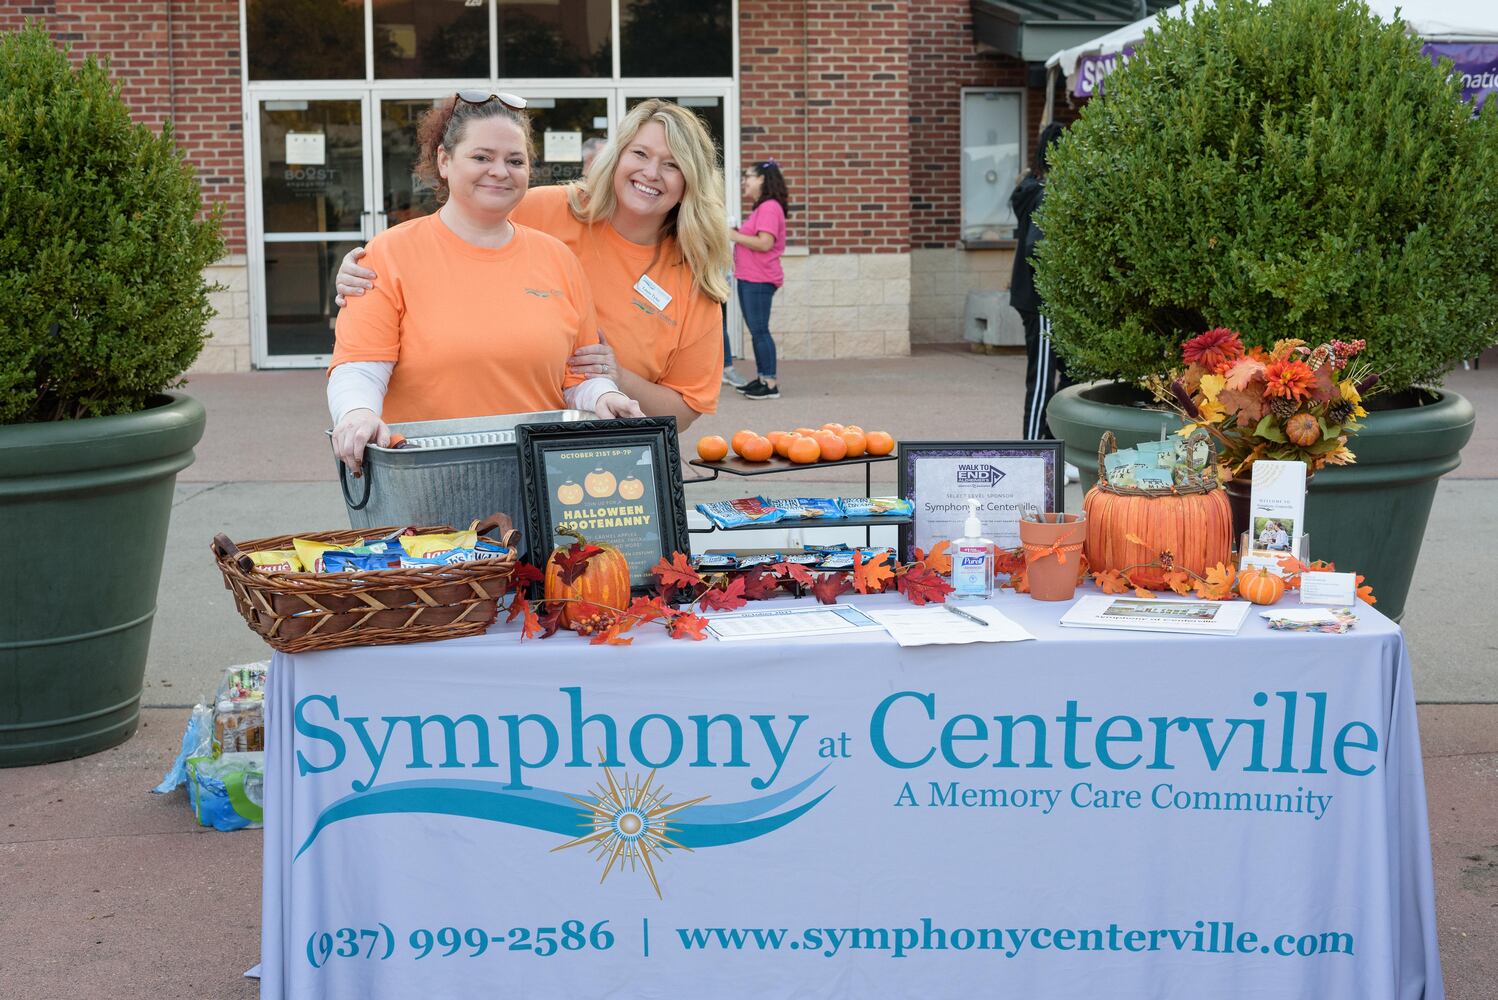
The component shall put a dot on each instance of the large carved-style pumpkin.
(1260, 586)
(603, 582)
(1196, 528)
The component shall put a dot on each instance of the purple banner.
(1475, 62)
(1091, 69)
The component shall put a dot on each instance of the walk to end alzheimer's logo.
(978, 474)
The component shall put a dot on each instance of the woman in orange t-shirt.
(476, 315)
(646, 225)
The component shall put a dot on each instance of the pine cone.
(1338, 412)
(1284, 407)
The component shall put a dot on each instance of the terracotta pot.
(1053, 554)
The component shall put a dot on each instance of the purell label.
(970, 569)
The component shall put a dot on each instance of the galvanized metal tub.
(447, 472)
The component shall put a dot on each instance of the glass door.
(311, 194)
(562, 127)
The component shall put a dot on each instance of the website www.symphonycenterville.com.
(1208, 937)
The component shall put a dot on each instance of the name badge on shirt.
(657, 296)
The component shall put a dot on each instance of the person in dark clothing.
(1045, 374)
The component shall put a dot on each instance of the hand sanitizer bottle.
(972, 559)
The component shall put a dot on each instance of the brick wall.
(772, 98)
(173, 59)
(944, 60)
(824, 88)
(860, 104)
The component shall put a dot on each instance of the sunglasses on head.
(484, 97)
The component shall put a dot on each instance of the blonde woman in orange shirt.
(646, 225)
(477, 314)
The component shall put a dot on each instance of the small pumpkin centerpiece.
(1260, 586)
(585, 581)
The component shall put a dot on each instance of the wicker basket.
(299, 612)
(1192, 521)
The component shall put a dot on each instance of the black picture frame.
(551, 455)
(1051, 495)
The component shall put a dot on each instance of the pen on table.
(963, 614)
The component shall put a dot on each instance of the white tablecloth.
(1117, 814)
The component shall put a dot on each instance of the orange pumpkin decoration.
(1196, 528)
(1260, 586)
(603, 582)
(712, 448)
(1303, 429)
(600, 483)
(804, 451)
(757, 449)
(878, 443)
(833, 448)
(570, 493)
(631, 488)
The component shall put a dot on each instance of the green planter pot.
(90, 500)
(1369, 517)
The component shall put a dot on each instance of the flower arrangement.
(1293, 402)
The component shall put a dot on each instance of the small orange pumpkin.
(604, 582)
(1303, 429)
(631, 488)
(1260, 586)
(570, 493)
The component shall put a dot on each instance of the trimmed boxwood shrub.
(1288, 169)
(102, 243)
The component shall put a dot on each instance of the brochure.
(1276, 513)
(1158, 615)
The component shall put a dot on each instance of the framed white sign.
(1005, 477)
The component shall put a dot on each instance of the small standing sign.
(617, 482)
(940, 477)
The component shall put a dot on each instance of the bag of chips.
(277, 561)
(809, 508)
(876, 506)
(737, 513)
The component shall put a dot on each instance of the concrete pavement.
(106, 890)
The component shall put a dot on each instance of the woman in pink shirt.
(758, 244)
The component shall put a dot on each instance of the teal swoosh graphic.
(554, 812)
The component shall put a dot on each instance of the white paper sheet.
(935, 625)
(780, 623)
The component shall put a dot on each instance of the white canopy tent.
(1431, 20)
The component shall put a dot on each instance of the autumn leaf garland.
(921, 582)
(678, 582)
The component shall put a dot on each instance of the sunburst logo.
(629, 824)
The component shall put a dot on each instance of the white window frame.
(1024, 159)
(615, 89)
